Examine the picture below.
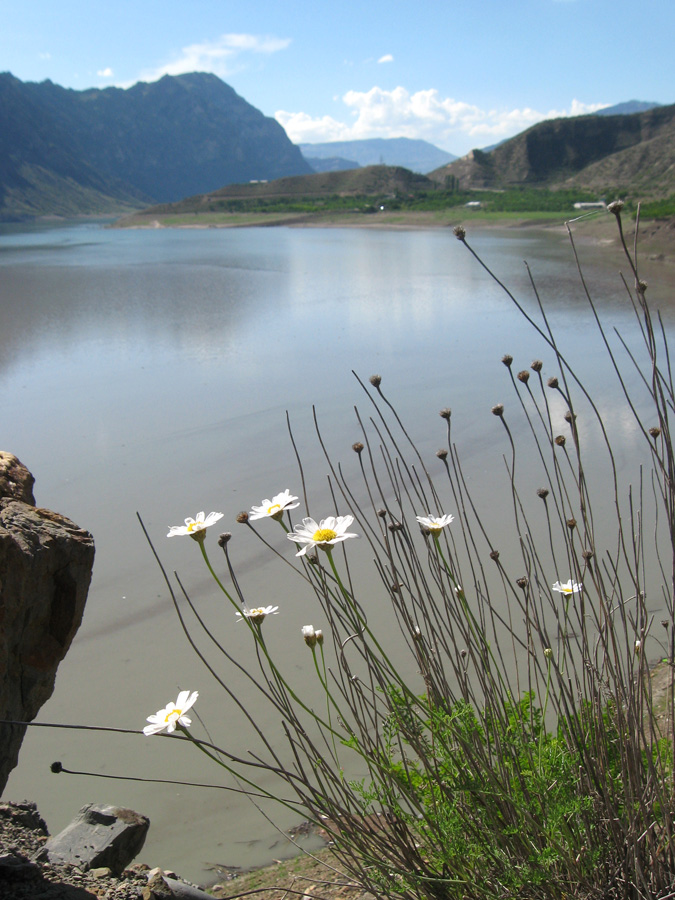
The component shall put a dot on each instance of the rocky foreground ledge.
(89, 860)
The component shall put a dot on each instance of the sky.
(458, 74)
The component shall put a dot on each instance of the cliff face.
(155, 142)
(551, 153)
(45, 570)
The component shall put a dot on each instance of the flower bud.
(309, 635)
(522, 582)
(357, 447)
(459, 232)
(498, 409)
(523, 376)
(442, 453)
(560, 440)
(548, 653)
(615, 207)
(242, 518)
(445, 413)
(536, 365)
(552, 382)
(494, 554)
(507, 359)
(376, 380)
(224, 538)
(654, 432)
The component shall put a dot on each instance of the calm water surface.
(151, 371)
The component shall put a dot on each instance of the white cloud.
(451, 124)
(105, 73)
(45, 55)
(386, 58)
(220, 56)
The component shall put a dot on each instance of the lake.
(152, 370)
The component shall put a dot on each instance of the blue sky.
(459, 74)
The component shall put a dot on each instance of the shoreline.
(656, 237)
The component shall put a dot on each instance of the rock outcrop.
(45, 570)
(99, 836)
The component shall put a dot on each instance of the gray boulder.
(45, 570)
(99, 836)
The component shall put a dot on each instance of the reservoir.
(152, 372)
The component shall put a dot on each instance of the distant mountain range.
(67, 152)
(635, 151)
(418, 156)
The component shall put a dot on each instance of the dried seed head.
(655, 432)
(395, 526)
(522, 582)
(376, 380)
(462, 653)
(498, 409)
(587, 555)
(56, 767)
(560, 440)
(548, 653)
(571, 524)
(537, 365)
(615, 207)
(224, 538)
(642, 286)
(494, 554)
(523, 376)
(542, 492)
(442, 453)
(569, 417)
(507, 359)
(357, 447)
(665, 623)
(459, 232)
(552, 382)
(242, 518)
(382, 513)
(445, 413)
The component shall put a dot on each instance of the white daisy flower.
(258, 614)
(568, 588)
(275, 507)
(328, 532)
(173, 714)
(434, 523)
(195, 527)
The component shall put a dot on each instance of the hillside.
(368, 181)
(418, 156)
(80, 150)
(601, 152)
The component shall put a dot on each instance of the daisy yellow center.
(195, 526)
(172, 712)
(256, 612)
(273, 507)
(323, 535)
(434, 528)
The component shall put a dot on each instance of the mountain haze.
(418, 156)
(153, 142)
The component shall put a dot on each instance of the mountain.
(598, 152)
(627, 108)
(331, 163)
(153, 142)
(418, 156)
